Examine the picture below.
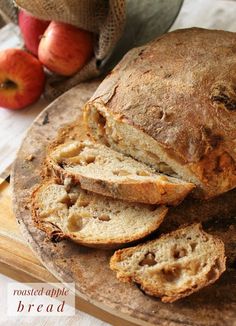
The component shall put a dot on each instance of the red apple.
(22, 79)
(65, 49)
(32, 30)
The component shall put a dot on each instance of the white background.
(214, 14)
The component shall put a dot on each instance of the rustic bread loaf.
(102, 170)
(173, 266)
(66, 211)
(172, 104)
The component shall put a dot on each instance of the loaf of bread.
(173, 266)
(172, 105)
(67, 211)
(100, 169)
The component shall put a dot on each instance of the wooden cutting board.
(89, 268)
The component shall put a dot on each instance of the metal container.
(145, 20)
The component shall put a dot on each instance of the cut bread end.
(67, 211)
(173, 266)
(113, 130)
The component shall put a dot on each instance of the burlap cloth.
(118, 25)
(104, 18)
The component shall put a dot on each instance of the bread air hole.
(149, 260)
(100, 121)
(205, 238)
(171, 274)
(193, 246)
(212, 274)
(214, 271)
(179, 253)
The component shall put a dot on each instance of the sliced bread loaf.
(160, 108)
(90, 219)
(173, 266)
(102, 170)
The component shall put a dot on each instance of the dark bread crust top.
(181, 90)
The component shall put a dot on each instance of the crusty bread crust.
(157, 189)
(57, 232)
(216, 268)
(180, 91)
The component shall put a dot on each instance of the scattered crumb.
(30, 158)
(45, 119)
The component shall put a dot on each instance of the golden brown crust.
(180, 90)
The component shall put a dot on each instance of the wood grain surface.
(89, 269)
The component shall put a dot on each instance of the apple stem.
(8, 84)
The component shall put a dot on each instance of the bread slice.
(100, 169)
(90, 219)
(173, 266)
